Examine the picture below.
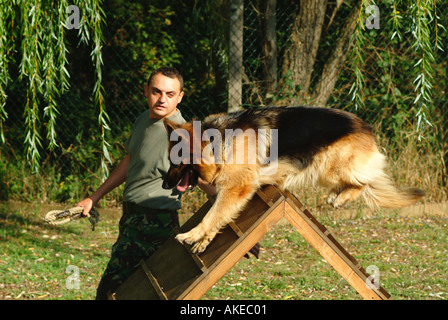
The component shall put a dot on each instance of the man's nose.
(162, 97)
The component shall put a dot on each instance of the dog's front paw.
(190, 237)
(200, 246)
(198, 239)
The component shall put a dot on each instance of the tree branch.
(336, 60)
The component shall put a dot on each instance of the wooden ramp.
(173, 272)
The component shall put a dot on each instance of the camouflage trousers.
(140, 235)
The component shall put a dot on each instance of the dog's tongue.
(183, 184)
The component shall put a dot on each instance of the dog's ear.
(170, 126)
(180, 131)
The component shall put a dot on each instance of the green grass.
(34, 257)
(410, 253)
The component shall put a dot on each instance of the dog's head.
(181, 176)
(182, 173)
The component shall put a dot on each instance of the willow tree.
(33, 36)
(420, 20)
(327, 37)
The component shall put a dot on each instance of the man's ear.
(146, 91)
(180, 97)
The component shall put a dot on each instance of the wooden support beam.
(176, 273)
(321, 239)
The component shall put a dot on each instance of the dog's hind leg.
(332, 196)
(338, 199)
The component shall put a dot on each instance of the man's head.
(164, 91)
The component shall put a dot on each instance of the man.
(149, 211)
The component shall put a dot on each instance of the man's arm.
(116, 178)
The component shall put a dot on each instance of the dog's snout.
(165, 184)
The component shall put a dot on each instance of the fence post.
(236, 55)
(270, 47)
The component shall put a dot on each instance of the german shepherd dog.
(304, 145)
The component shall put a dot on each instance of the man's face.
(163, 95)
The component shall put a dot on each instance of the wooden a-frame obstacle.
(174, 272)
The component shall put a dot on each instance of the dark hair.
(169, 72)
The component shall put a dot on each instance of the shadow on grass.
(27, 229)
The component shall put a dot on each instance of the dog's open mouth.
(188, 181)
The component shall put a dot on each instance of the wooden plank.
(255, 209)
(330, 249)
(235, 229)
(153, 280)
(196, 258)
(176, 269)
(136, 287)
(175, 273)
(265, 197)
(235, 252)
(172, 265)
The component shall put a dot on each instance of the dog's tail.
(382, 193)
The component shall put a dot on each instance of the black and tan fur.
(316, 146)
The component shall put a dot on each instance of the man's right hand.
(87, 204)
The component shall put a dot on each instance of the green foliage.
(357, 57)
(392, 74)
(6, 42)
(95, 24)
(424, 14)
(287, 90)
(36, 31)
(69, 97)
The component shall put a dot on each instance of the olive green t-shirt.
(148, 150)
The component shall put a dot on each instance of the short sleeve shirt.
(149, 163)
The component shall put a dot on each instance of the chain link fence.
(232, 54)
